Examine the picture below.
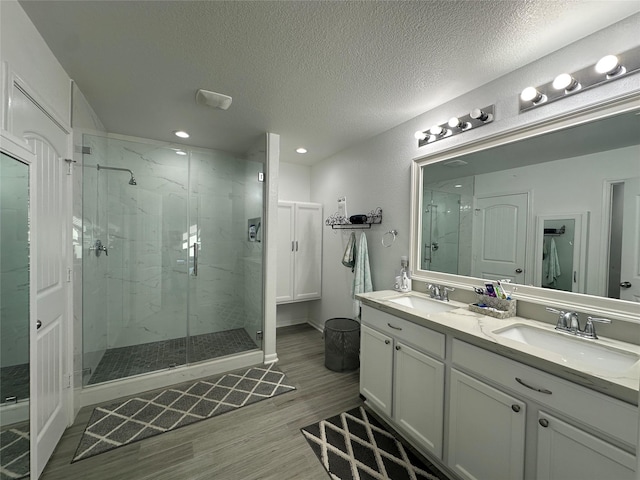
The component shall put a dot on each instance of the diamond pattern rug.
(354, 445)
(154, 413)
(14, 452)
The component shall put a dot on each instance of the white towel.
(362, 274)
(551, 264)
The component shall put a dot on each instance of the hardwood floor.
(260, 441)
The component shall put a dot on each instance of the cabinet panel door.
(568, 453)
(376, 368)
(419, 396)
(308, 251)
(486, 431)
(285, 248)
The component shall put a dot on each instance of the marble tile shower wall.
(150, 259)
(94, 268)
(14, 269)
(452, 225)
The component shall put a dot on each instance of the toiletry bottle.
(405, 282)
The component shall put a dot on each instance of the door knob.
(38, 324)
(625, 284)
(518, 270)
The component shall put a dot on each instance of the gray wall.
(376, 173)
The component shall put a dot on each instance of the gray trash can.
(341, 344)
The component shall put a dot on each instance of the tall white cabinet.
(299, 252)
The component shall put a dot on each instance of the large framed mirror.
(16, 295)
(553, 208)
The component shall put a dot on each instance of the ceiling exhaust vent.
(213, 99)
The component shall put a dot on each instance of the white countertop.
(478, 329)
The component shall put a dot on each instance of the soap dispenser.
(405, 282)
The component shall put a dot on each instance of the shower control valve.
(99, 247)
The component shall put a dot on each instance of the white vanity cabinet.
(486, 431)
(567, 452)
(582, 441)
(299, 252)
(402, 378)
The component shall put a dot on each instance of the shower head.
(132, 180)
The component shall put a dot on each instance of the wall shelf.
(337, 221)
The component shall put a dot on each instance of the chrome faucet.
(590, 329)
(570, 323)
(439, 292)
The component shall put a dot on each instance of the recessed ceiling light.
(457, 186)
(181, 134)
(180, 152)
(301, 150)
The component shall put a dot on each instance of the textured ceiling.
(324, 75)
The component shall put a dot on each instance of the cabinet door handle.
(395, 328)
(293, 244)
(543, 422)
(397, 347)
(296, 245)
(541, 390)
(515, 408)
(387, 342)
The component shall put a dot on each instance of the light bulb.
(438, 131)
(530, 94)
(181, 134)
(478, 114)
(301, 150)
(419, 135)
(564, 81)
(608, 65)
(454, 122)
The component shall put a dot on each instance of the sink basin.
(425, 305)
(576, 351)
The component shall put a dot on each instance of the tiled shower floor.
(148, 357)
(14, 382)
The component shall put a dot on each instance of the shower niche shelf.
(337, 221)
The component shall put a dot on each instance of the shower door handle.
(195, 259)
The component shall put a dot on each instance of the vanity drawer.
(407, 332)
(606, 414)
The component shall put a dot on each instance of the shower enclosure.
(171, 275)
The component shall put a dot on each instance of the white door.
(486, 431)
(49, 140)
(568, 453)
(630, 268)
(308, 245)
(419, 396)
(500, 234)
(286, 252)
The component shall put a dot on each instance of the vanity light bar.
(476, 118)
(607, 69)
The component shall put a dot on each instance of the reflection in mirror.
(14, 318)
(490, 214)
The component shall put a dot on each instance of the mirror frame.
(19, 149)
(601, 306)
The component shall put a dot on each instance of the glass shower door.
(135, 266)
(225, 255)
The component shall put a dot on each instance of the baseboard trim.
(271, 358)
